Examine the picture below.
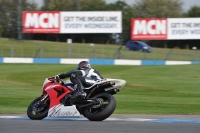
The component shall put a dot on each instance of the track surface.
(112, 125)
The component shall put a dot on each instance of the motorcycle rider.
(84, 76)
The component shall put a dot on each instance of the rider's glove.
(56, 78)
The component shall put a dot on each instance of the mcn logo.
(148, 29)
(41, 22)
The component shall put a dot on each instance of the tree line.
(10, 15)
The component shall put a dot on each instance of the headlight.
(145, 48)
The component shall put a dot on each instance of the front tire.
(36, 112)
(103, 111)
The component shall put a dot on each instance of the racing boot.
(80, 92)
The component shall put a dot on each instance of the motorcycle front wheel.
(37, 110)
(103, 110)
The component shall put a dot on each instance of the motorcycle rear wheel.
(103, 111)
(37, 113)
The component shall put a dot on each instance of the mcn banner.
(72, 22)
(165, 28)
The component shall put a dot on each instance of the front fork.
(44, 97)
(43, 100)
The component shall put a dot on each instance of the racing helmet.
(83, 65)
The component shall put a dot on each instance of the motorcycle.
(57, 100)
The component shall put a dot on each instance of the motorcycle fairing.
(63, 111)
(119, 83)
(52, 88)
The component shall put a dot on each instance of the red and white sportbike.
(57, 100)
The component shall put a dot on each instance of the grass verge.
(47, 49)
(149, 89)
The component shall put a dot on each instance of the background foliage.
(10, 15)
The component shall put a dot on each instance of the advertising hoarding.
(72, 22)
(149, 29)
(184, 28)
(41, 22)
(165, 28)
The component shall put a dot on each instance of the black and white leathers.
(91, 75)
(87, 76)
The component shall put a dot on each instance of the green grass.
(149, 89)
(46, 49)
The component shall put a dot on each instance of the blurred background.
(151, 89)
(92, 45)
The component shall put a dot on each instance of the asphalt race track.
(114, 124)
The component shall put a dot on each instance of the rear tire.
(102, 112)
(34, 115)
